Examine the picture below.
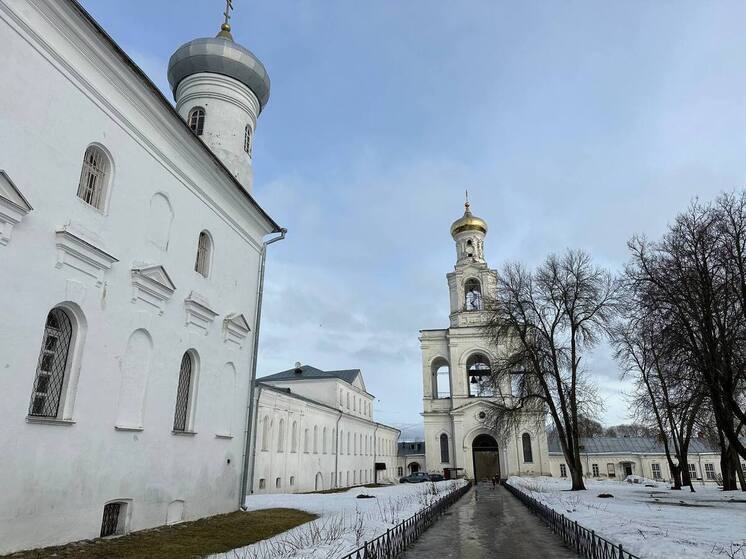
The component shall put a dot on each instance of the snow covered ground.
(345, 522)
(651, 522)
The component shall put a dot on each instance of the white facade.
(455, 401)
(616, 458)
(316, 432)
(110, 245)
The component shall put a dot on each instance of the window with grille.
(181, 413)
(204, 252)
(93, 177)
(594, 470)
(656, 471)
(563, 470)
(710, 471)
(692, 471)
(444, 455)
(247, 140)
(110, 525)
(196, 120)
(528, 453)
(610, 469)
(52, 365)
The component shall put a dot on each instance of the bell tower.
(471, 278)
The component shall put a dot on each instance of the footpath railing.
(585, 542)
(397, 539)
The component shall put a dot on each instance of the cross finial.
(466, 204)
(227, 12)
(225, 29)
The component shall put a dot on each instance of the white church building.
(315, 431)
(455, 365)
(131, 265)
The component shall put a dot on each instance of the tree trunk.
(576, 473)
(741, 476)
(675, 474)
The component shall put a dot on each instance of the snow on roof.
(626, 445)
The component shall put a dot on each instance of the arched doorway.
(486, 457)
(414, 467)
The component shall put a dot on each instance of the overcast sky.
(573, 124)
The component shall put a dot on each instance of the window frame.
(191, 395)
(445, 454)
(104, 174)
(203, 265)
(248, 140)
(528, 451)
(199, 126)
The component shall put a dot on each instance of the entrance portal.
(486, 458)
(414, 467)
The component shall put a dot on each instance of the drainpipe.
(336, 453)
(250, 417)
(375, 454)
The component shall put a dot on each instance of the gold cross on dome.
(228, 9)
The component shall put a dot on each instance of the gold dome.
(468, 223)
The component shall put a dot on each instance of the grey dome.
(219, 55)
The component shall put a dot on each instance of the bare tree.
(543, 323)
(631, 430)
(694, 280)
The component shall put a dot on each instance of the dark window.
(444, 448)
(196, 120)
(563, 470)
(182, 395)
(52, 365)
(110, 520)
(528, 455)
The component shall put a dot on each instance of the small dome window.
(196, 120)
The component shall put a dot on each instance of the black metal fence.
(585, 542)
(397, 539)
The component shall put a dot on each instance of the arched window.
(247, 139)
(204, 254)
(341, 441)
(480, 381)
(182, 412)
(334, 441)
(473, 295)
(528, 455)
(323, 441)
(441, 378)
(294, 438)
(315, 439)
(196, 120)
(94, 177)
(306, 440)
(444, 455)
(349, 446)
(281, 436)
(52, 365)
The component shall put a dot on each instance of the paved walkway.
(486, 524)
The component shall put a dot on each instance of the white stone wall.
(309, 461)
(130, 286)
